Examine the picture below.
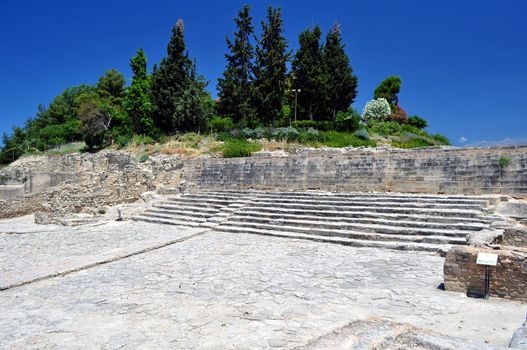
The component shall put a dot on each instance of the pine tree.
(235, 86)
(341, 83)
(388, 89)
(308, 73)
(137, 103)
(111, 85)
(270, 68)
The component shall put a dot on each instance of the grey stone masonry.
(428, 170)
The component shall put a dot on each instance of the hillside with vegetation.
(268, 97)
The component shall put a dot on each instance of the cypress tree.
(270, 68)
(137, 103)
(168, 81)
(341, 83)
(235, 86)
(308, 72)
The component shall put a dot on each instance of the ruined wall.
(75, 182)
(508, 278)
(432, 170)
(84, 182)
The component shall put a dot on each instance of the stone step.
(200, 201)
(398, 199)
(196, 219)
(336, 231)
(366, 203)
(375, 227)
(179, 212)
(277, 206)
(414, 196)
(398, 245)
(376, 218)
(342, 197)
(174, 222)
(175, 206)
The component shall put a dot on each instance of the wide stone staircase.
(384, 220)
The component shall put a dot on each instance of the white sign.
(487, 259)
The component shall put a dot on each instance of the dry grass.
(182, 151)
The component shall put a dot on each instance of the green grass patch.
(504, 162)
(415, 142)
(239, 148)
(343, 139)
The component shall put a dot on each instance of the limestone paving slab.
(31, 252)
(239, 291)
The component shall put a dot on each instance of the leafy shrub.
(140, 140)
(348, 120)
(286, 134)
(260, 133)
(398, 115)
(310, 135)
(385, 128)
(248, 133)
(443, 140)
(376, 110)
(219, 124)
(504, 162)
(417, 121)
(191, 139)
(350, 124)
(239, 148)
(122, 140)
(362, 134)
(314, 124)
(412, 129)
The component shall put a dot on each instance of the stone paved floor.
(226, 291)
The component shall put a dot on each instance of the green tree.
(308, 73)
(270, 68)
(172, 82)
(137, 103)
(340, 84)
(388, 89)
(58, 123)
(111, 85)
(95, 121)
(234, 88)
(194, 106)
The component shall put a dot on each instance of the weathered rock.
(519, 339)
(485, 238)
(513, 209)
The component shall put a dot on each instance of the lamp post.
(296, 91)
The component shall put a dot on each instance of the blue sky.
(463, 63)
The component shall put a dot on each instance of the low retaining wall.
(432, 170)
(507, 280)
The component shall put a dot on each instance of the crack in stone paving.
(103, 262)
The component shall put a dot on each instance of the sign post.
(487, 260)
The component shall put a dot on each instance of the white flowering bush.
(376, 110)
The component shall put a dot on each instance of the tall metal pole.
(296, 99)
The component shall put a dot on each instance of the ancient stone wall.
(432, 170)
(84, 182)
(110, 177)
(508, 278)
